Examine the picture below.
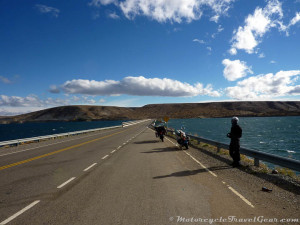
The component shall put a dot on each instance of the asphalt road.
(125, 176)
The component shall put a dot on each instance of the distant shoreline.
(175, 111)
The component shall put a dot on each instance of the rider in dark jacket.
(234, 147)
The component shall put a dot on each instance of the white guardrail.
(54, 136)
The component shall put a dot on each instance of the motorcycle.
(161, 136)
(183, 142)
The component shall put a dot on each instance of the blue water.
(275, 135)
(25, 130)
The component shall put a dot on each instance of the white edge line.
(212, 173)
(68, 181)
(241, 196)
(86, 169)
(105, 157)
(113, 151)
(19, 213)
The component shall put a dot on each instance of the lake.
(275, 135)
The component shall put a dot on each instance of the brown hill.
(185, 110)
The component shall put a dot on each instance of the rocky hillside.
(186, 110)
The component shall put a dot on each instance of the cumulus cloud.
(266, 86)
(138, 86)
(256, 25)
(48, 10)
(174, 10)
(54, 89)
(235, 69)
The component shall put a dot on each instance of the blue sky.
(138, 52)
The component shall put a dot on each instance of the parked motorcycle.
(161, 136)
(183, 142)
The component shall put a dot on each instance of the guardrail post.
(218, 148)
(256, 162)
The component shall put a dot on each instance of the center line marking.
(61, 150)
(113, 151)
(90, 167)
(105, 157)
(19, 213)
(68, 181)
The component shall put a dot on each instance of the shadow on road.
(192, 172)
(278, 180)
(159, 150)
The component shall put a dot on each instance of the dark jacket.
(235, 133)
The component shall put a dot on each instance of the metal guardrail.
(257, 155)
(53, 136)
(129, 123)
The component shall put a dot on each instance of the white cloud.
(29, 101)
(12, 111)
(233, 51)
(261, 55)
(138, 86)
(235, 69)
(272, 62)
(256, 25)
(199, 41)
(113, 15)
(47, 10)
(5, 80)
(266, 86)
(293, 21)
(98, 3)
(174, 10)
(54, 89)
(215, 18)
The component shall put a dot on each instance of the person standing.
(234, 147)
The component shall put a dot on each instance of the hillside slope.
(186, 110)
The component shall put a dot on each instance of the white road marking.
(19, 213)
(212, 173)
(86, 169)
(124, 143)
(172, 142)
(241, 196)
(113, 151)
(105, 157)
(119, 147)
(68, 181)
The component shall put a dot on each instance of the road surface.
(128, 176)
